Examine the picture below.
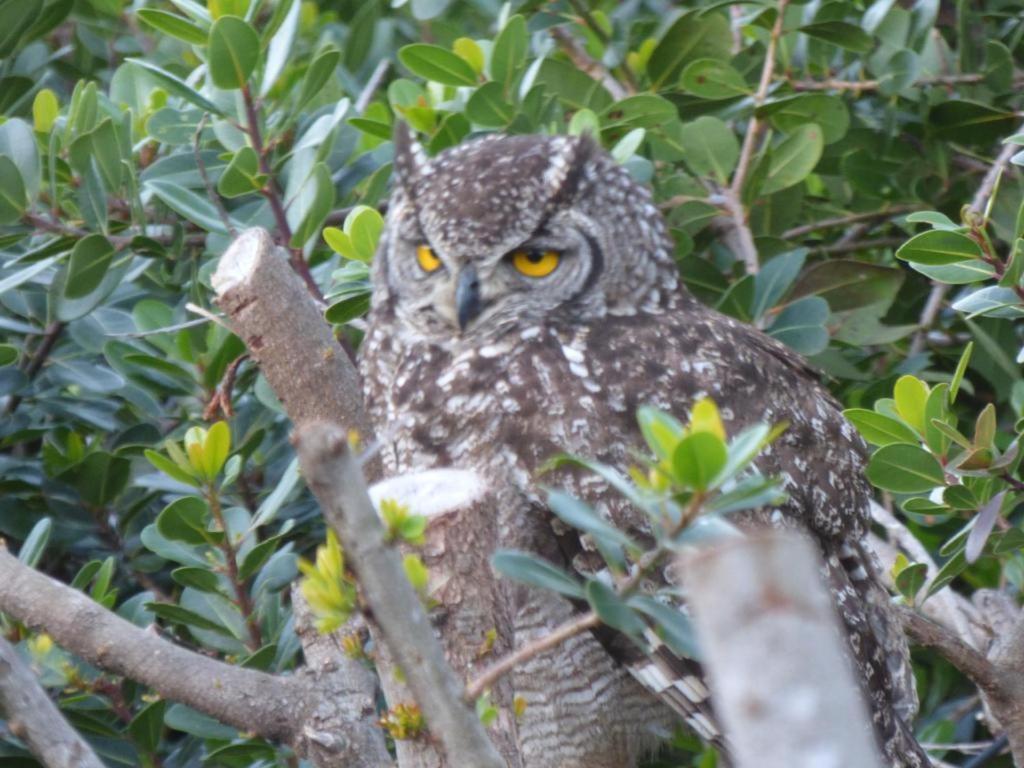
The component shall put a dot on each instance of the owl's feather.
(561, 365)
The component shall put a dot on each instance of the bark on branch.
(271, 706)
(782, 685)
(36, 720)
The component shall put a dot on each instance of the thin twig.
(861, 245)
(211, 193)
(376, 78)
(734, 194)
(842, 221)
(755, 126)
(591, 23)
(874, 85)
(503, 666)
(587, 63)
(37, 360)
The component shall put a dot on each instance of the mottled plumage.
(560, 363)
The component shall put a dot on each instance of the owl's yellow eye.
(536, 263)
(427, 259)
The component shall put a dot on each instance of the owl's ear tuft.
(409, 156)
(576, 155)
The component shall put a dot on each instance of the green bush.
(842, 175)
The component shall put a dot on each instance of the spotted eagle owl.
(525, 304)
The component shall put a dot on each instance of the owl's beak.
(467, 296)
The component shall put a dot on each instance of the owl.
(525, 304)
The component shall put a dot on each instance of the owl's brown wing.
(670, 362)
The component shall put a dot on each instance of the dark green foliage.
(134, 143)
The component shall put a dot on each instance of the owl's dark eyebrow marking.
(596, 266)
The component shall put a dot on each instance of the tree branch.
(36, 720)
(751, 597)
(506, 664)
(734, 194)
(842, 221)
(334, 476)
(957, 652)
(253, 701)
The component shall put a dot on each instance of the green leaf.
(319, 72)
(775, 278)
(910, 578)
(198, 578)
(432, 62)
(961, 369)
(840, 33)
(662, 431)
(698, 459)
(35, 543)
(949, 571)
(530, 569)
(937, 411)
(970, 122)
(173, 25)
(179, 615)
(792, 161)
(644, 110)
(933, 218)
(349, 308)
(939, 247)
(901, 72)
(911, 396)
(8, 354)
(187, 203)
(509, 51)
(16, 16)
(713, 79)
(13, 200)
(233, 52)
(579, 515)
(257, 557)
(90, 260)
(692, 36)
(147, 727)
(671, 625)
(177, 86)
(242, 176)
(801, 325)
(992, 301)
(880, 429)
(358, 240)
(320, 191)
(487, 106)
(216, 448)
(710, 147)
(904, 469)
(612, 610)
(960, 273)
(186, 520)
(983, 524)
(18, 142)
(825, 110)
(168, 467)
